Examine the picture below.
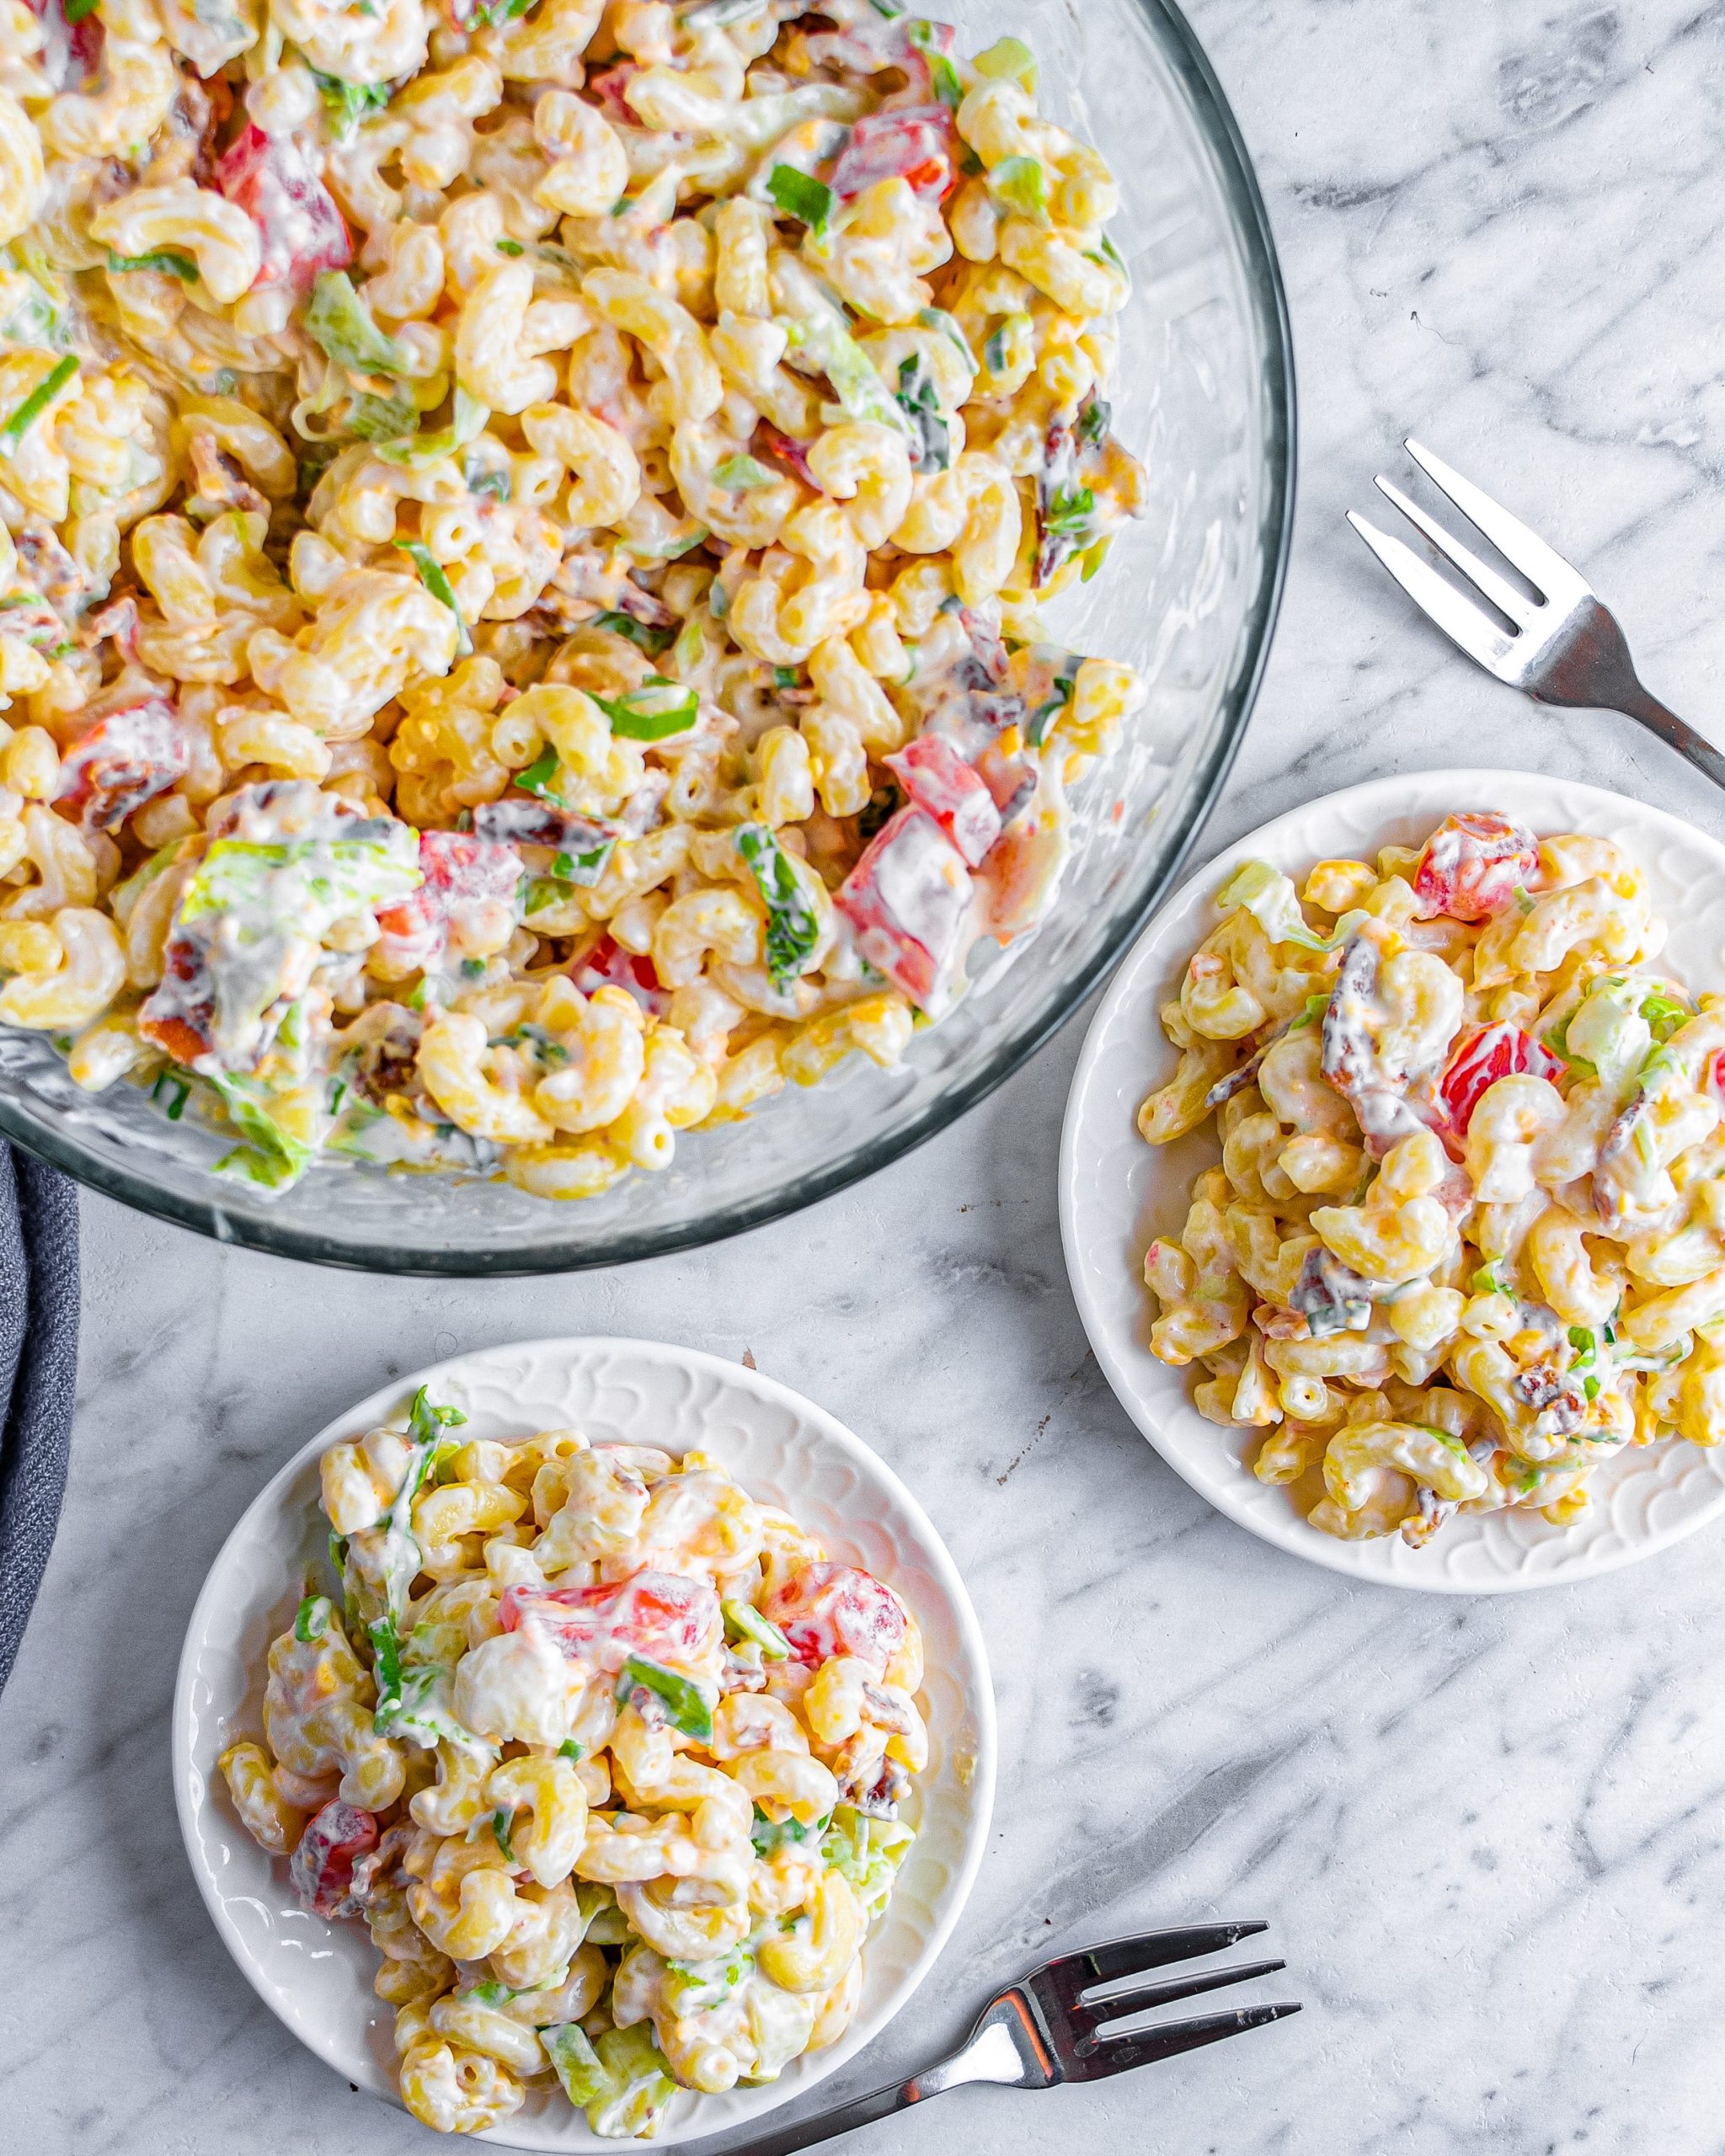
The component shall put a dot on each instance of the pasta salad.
(612, 1760)
(521, 527)
(1465, 1242)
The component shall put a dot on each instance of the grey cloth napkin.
(39, 1308)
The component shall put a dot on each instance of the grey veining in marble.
(1489, 1835)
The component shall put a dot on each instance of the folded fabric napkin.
(38, 1306)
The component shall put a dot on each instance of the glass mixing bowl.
(1204, 394)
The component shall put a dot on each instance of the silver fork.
(1052, 2026)
(1561, 648)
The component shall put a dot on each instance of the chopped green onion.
(645, 638)
(176, 1106)
(738, 473)
(1093, 420)
(943, 75)
(348, 103)
(166, 259)
(570, 1750)
(769, 1835)
(499, 1828)
(652, 712)
(312, 1620)
(1069, 514)
(438, 584)
(800, 196)
(538, 776)
(74, 11)
(685, 1703)
(1007, 55)
(33, 406)
(744, 1621)
(792, 926)
(785, 677)
(386, 1668)
(1022, 185)
(510, 247)
(427, 1423)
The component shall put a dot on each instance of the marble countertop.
(1487, 1834)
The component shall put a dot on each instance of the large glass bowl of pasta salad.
(607, 613)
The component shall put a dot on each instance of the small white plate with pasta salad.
(1388, 1181)
(585, 1741)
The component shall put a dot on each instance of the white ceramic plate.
(1117, 1193)
(317, 1976)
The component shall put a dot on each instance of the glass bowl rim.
(1239, 185)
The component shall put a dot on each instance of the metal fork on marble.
(1562, 646)
(1054, 2026)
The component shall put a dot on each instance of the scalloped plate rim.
(192, 1780)
(1146, 1389)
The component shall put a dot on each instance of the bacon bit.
(70, 52)
(124, 757)
(1472, 865)
(1275, 1323)
(222, 483)
(118, 620)
(794, 456)
(322, 1870)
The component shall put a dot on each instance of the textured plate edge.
(1388, 798)
(366, 1413)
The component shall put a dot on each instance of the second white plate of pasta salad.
(1415, 1276)
(531, 1535)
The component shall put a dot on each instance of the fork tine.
(1458, 618)
(1490, 584)
(1543, 567)
(1153, 1950)
(1119, 2054)
(1139, 1997)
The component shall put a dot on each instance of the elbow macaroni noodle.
(520, 531)
(1466, 1239)
(610, 1759)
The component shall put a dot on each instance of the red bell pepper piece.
(914, 143)
(912, 902)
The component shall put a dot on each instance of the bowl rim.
(193, 1786)
(1233, 169)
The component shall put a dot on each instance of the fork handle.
(1635, 703)
(804, 2133)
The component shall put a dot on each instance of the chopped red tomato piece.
(661, 1615)
(1472, 865)
(607, 964)
(914, 143)
(271, 178)
(910, 902)
(1714, 1081)
(608, 87)
(123, 758)
(826, 1610)
(70, 52)
(939, 780)
(465, 898)
(321, 1871)
(1494, 1052)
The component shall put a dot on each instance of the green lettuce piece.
(637, 2084)
(341, 322)
(867, 1852)
(467, 423)
(578, 2067)
(1269, 897)
(272, 1157)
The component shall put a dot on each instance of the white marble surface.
(1487, 1834)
